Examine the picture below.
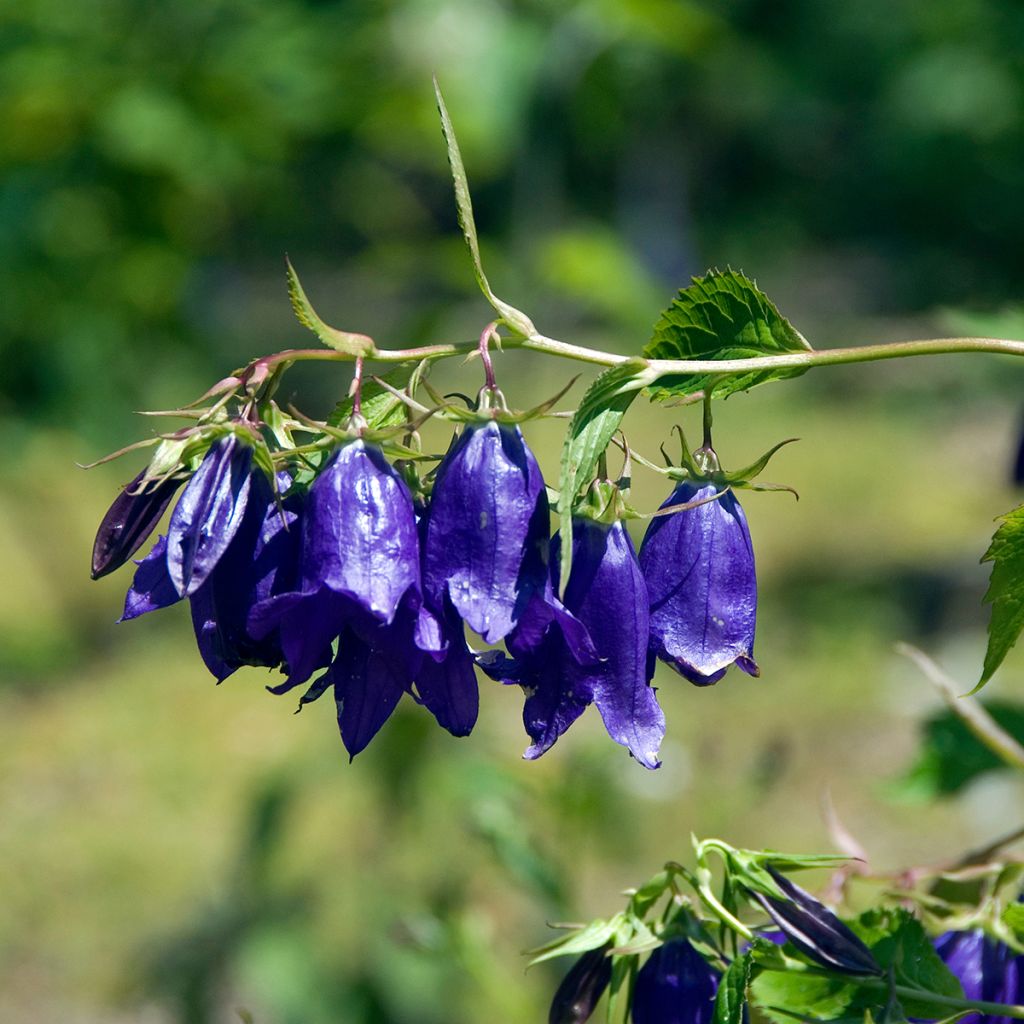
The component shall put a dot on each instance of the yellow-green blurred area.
(171, 851)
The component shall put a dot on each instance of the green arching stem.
(664, 367)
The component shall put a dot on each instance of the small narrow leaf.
(592, 427)
(341, 341)
(595, 934)
(1005, 591)
(516, 319)
(722, 315)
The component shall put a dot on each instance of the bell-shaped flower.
(487, 536)
(131, 518)
(261, 561)
(675, 986)
(208, 513)
(814, 929)
(988, 970)
(359, 559)
(699, 568)
(581, 989)
(561, 673)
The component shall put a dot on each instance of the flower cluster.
(350, 578)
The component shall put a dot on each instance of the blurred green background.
(174, 853)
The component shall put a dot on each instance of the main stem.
(657, 368)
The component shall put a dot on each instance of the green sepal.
(722, 315)
(593, 935)
(515, 319)
(341, 341)
(1005, 591)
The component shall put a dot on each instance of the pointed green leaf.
(340, 341)
(1005, 591)
(590, 431)
(722, 315)
(516, 319)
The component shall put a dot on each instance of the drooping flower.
(208, 513)
(261, 561)
(446, 679)
(814, 929)
(359, 559)
(988, 970)
(487, 535)
(699, 569)
(131, 518)
(581, 989)
(675, 986)
(561, 673)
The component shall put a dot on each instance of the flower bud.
(129, 521)
(675, 986)
(581, 989)
(815, 930)
(699, 569)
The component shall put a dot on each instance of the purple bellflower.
(699, 568)
(988, 970)
(561, 673)
(261, 561)
(675, 986)
(359, 560)
(814, 929)
(129, 521)
(203, 524)
(581, 989)
(487, 535)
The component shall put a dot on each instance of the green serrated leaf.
(592, 427)
(1005, 591)
(732, 991)
(381, 409)
(516, 319)
(951, 756)
(340, 341)
(898, 940)
(595, 934)
(722, 315)
(781, 995)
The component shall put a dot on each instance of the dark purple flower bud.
(129, 521)
(261, 561)
(208, 514)
(988, 970)
(487, 537)
(699, 568)
(581, 989)
(359, 559)
(815, 930)
(675, 986)
(607, 596)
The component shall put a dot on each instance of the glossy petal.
(699, 568)
(152, 587)
(369, 680)
(446, 683)
(987, 969)
(261, 561)
(129, 521)
(208, 514)
(606, 595)
(675, 986)
(488, 530)
(359, 535)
